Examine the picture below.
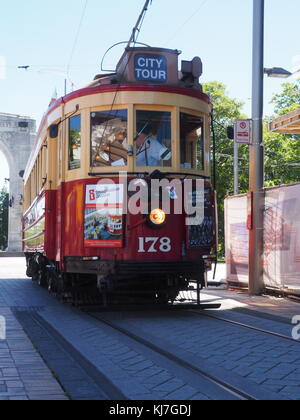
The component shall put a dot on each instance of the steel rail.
(172, 357)
(246, 326)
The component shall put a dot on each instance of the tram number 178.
(153, 245)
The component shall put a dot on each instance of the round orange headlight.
(158, 217)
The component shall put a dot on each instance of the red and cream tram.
(85, 227)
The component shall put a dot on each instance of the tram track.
(243, 325)
(226, 386)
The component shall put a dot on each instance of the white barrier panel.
(282, 237)
(237, 239)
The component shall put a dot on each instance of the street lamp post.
(256, 183)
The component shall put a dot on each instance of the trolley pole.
(257, 153)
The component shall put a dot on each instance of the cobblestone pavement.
(132, 372)
(269, 362)
(23, 374)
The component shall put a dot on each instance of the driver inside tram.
(149, 151)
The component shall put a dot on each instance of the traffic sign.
(243, 131)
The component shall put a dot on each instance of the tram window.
(191, 142)
(109, 146)
(75, 142)
(154, 140)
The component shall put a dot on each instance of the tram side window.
(109, 146)
(153, 143)
(75, 142)
(191, 142)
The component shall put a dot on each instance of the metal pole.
(214, 152)
(236, 168)
(257, 153)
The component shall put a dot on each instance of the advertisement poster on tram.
(103, 224)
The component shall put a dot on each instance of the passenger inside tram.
(153, 142)
(109, 138)
(150, 152)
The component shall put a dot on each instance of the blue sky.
(42, 33)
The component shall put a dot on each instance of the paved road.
(267, 361)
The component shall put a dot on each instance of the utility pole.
(257, 154)
(236, 168)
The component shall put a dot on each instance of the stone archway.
(16, 142)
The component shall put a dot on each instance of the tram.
(106, 158)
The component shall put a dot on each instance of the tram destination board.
(151, 68)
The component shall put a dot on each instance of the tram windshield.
(109, 146)
(191, 142)
(153, 143)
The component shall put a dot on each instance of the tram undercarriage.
(105, 283)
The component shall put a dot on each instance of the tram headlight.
(157, 217)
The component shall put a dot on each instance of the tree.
(3, 218)
(282, 157)
(282, 151)
(225, 112)
(287, 100)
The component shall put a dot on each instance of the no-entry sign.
(243, 131)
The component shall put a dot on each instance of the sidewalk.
(23, 373)
(238, 300)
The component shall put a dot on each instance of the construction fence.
(281, 258)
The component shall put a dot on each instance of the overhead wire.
(77, 36)
(187, 21)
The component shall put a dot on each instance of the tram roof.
(287, 124)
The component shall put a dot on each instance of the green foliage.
(3, 218)
(226, 111)
(282, 151)
(282, 155)
(288, 100)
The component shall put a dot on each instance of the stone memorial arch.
(17, 136)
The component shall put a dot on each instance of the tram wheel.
(40, 278)
(51, 284)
